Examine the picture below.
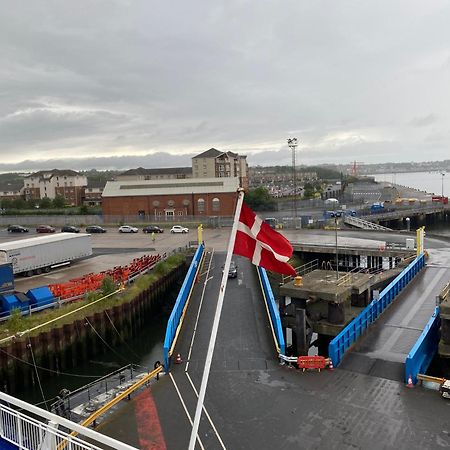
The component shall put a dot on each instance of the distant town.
(207, 187)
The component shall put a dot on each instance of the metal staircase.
(364, 224)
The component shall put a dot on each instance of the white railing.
(29, 433)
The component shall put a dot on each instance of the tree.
(59, 201)
(19, 203)
(45, 203)
(6, 203)
(83, 209)
(108, 286)
(259, 199)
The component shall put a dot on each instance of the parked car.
(69, 229)
(17, 229)
(128, 229)
(95, 229)
(179, 229)
(152, 229)
(232, 272)
(45, 229)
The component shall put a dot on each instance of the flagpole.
(215, 327)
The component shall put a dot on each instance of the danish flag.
(261, 244)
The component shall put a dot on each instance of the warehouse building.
(165, 199)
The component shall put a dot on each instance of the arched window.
(215, 204)
(201, 205)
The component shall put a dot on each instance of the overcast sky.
(364, 80)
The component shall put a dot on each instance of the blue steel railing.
(274, 313)
(423, 351)
(348, 336)
(175, 319)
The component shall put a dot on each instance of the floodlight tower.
(292, 144)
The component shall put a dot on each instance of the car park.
(95, 229)
(17, 229)
(69, 229)
(128, 229)
(45, 229)
(152, 229)
(179, 229)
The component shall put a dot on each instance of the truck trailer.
(41, 254)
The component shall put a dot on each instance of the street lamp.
(292, 144)
(442, 188)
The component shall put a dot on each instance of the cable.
(49, 370)
(121, 338)
(113, 350)
(37, 373)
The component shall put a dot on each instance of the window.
(180, 213)
(201, 205)
(216, 204)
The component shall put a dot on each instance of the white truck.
(40, 254)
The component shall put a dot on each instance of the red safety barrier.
(92, 281)
(311, 362)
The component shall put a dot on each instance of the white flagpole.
(215, 327)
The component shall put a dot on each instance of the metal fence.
(348, 336)
(48, 432)
(175, 319)
(424, 349)
(272, 308)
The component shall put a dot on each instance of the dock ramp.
(364, 224)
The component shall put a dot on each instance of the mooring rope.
(37, 373)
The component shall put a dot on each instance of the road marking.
(207, 414)
(185, 408)
(199, 309)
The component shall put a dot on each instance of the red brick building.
(169, 198)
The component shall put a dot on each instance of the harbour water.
(431, 182)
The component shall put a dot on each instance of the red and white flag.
(261, 244)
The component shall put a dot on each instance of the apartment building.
(51, 183)
(214, 163)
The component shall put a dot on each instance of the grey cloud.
(178, 77)
(423, 121)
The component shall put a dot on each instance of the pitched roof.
(162, 171)
(170, 187)
(11, 186)
(52, 173)
(211, 153)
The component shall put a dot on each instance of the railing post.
(19, 431)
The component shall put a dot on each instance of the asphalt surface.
(252, 401)
(256, 404)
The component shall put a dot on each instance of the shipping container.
(38, 254)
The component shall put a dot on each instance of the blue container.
(6, 278)
(40, 296)
(14, 301)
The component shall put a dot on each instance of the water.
(431, 182)
(144, 350)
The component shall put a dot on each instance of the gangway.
(364, 224)
(28, 427)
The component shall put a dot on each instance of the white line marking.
(185, 408)
(207, 414)
(199, 309)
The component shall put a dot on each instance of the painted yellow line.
(114, 401)
(268, 313)
(180, 324)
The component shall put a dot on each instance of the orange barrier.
(92, 281)
(311, 362)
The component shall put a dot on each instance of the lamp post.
(292, 144)
(336, 242)
(442, 188)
